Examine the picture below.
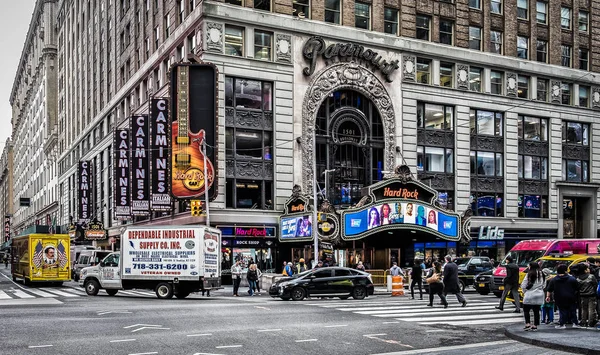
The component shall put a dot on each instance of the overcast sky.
(14, 22)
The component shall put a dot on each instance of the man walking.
(236, 275)
(451, 283)
(511, 284)
(565, 288)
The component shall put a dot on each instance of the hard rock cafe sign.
(315, 47)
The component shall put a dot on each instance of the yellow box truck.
(41, 258)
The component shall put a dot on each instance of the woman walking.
(436, 285)
(533, 288)
(252, 278)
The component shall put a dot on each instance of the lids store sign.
(315, 47)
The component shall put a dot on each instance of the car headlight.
(83, 272)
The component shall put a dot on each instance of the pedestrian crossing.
(479, 311)
(61, 293)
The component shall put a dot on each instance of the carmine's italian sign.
(159, 155)
(315, 47)
(84, 187)
(121, 179)
(140, 166)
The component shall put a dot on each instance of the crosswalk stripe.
(477, 322)
(420, 306)
(60, 293)
(480, 310)
(40, 293)
(77, 291)
(451, 317)
(20, 294)
(4, 296)
(128, 293)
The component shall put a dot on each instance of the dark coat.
(512, 274)
(252, 275)
(565, 288)
(416, 272)
(451, 283)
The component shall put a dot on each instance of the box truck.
(41, 258)
(171, 260)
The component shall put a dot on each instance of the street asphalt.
(64, 320)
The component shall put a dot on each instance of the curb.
(550, 345)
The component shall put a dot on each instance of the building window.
(262, 5)
(486, 123)
(423, 70)
(583, 59)
(234, 41)
(522, 9)
(390, 21)
(332, 11)
(542, 12)
(575, 133)
(302, 8)
(496, 6)
(496, 41)
(533, 206)
(522, 47)
(167, 23)
(542, 90)
(523, 87)
(496, 82)
(565, 18)
(576, 139)
(583, 21)
(475, 79)
(533, 167)
(446, 30)
(584, 96)
(191, 42)
(249, 148)
(487, 204)
(435, 159)
(475, 4)
(362, 16)
(423, 26)
(446, 70)
(475, 38)
(533, 128)
(565, 89)
(234, 2)
(565, 55)
(262, 45)
(432, 116)
(156, 37)
(575, 170)
(542, 51)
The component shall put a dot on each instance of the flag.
(62, 256)
(38, 255)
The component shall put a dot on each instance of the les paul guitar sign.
(194, 108)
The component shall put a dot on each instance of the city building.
(491, 104)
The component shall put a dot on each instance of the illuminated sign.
(491, 233)
(95, 231)
(140, 166)
(121, 176)
(85, 188)
(160, 200)
(296, 228)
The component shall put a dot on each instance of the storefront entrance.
(573, 217)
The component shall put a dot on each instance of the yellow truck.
(41, 258)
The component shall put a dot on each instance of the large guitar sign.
(187, 158)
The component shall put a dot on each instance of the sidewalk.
(579, 341)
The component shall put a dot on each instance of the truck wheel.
(112, 292)
(164, 290)
(92, 287)
(182, 295)
(298, 293)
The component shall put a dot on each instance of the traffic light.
(196, 207)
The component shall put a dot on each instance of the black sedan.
(482, 282)
(328, 281)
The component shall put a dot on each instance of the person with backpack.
(436, 285)
(289, 270)
(588, 286)
(533, 295)
(283, 272)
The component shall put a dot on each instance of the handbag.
(433, 278)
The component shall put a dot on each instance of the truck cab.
(105, 275)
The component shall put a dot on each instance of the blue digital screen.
(296, 227)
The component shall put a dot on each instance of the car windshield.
(552, 265)
(461, 261)
(302, 274)
(523, 257)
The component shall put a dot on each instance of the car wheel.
(112, 292)
(164, 290)
(298, 293)
(498, 294)
(462, 286)
(344, 297)
(92, 287)
(285, 298)
(359, 293)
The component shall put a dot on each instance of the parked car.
(482, 282)
(88, 258)
(328, 281)
(469, 267)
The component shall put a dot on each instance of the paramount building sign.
(315, 47)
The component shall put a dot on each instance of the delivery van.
(41, 258)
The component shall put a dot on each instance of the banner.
(140, 170)
(160, 199)
(6, 228)
(84, 189)
(121, 178)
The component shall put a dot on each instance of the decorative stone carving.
(296, 191)
(555, 92)
(248, 169)
(533, 187)
(511, 84)
(409, 68)
(268, 120)
(489, 143)
(214, 37)
(365, 200)
(344, 76)
(466, 226)
(462, 76)
(575, 152)
(230, 168)
(248, 119)
(487, 184)
(533, 148)
(435, 137)
(283, 48)
(229, 120)
(439, 181)
(596, 97)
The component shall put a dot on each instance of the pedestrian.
(533, 295)
(236, 275)
(436, 285)
(301, 267)
(319, 265)
(548, 305)
(5, 261)
(451, 283)
(395, 270)
(511, 284)
(565, 289)
(360, 266)
(597, 275)
(587, 296)
(258, 274)
(416, 278)
(289, 270)
(283, 272)
(252, 276)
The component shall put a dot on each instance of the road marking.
(435, 330)
(374, 335)
(39, 346)
(60, 293)
(144, 353)
(21, 294)
(446, 348)
(336, 326)
(268, 330)
(40, 293)
(305, 340)
(228, 346)
(390, 322)
(265, 308)
(38, 301)
(142, 328)
(453, 318)
(206, 354)
(121, 340)
(101, 313)
(3, 295)
(433, 312)
(199, 335)
(142, 325)
(476, 322)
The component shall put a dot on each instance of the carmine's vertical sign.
(121, 170)
(160, 199)
(84, 187)
(140, 165)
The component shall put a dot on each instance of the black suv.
(328, 281)
(469, 267)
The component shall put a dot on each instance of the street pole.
(206, 184)
(315, 223)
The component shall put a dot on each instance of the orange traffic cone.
(397, 286)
